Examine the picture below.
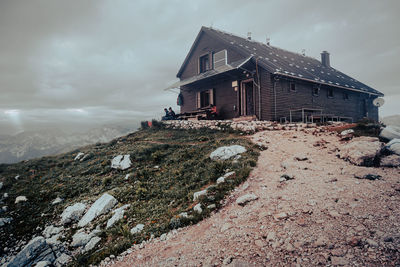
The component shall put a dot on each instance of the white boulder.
(20, 199)
(394, 146)
(62, 260)
(118, 215)
(43, 264)
(225, 176)
(81, 239)
(51, 230)
(243, 200)
(101, 206)
(198, 208)
(227, 152)
(361, 150)
(198, 194)
(121, 162)
(347, 132)
(72, 213)
(390, 132)
(137, 229)
(91, 244)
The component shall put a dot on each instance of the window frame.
(208, 67)
(294, 90)
(329, 94)
(200, 98)
(318, 91)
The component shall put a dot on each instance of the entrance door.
(247, 98)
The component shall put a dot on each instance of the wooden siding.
(206, 44)
(303, 98)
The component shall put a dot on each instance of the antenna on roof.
(303, 52)
(268, 40)
(249, 35)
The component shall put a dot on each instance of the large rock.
(101, 206)
(390, 132)
(198, 194)
(137, 229)
(91, 244)
(51, 230)
(121, 162)
(81, 239)
(35, 251)
(361, 151)
(227, 152)
(20, 199)
(394, 146)
(118, 215)
(73, 213)
(62, 260)
(243, 200)
(390, 161)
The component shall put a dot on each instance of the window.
(205, 98)
(292, 87)
(204, 63)
(330, 92)
(315, 91)
(345, 96)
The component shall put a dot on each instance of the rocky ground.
(302, 206)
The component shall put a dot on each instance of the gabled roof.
(285, 63)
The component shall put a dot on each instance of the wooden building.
(246, 78)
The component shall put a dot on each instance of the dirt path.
(323, 216)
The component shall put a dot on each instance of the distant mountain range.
(391, 120)
(34, 144)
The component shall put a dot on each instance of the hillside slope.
(167, 167)
(323, 216)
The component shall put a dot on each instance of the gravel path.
(324, 216)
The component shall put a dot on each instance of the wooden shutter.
(198, 100)
(220, 59)
(211, 96)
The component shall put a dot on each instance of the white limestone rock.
(118, 215)
(101, 206)
(121, 162)
(137, 229)
(62, 260)
(390, 132)
(243, 200)
(56, 201)
(198, 194)
(394, 146)
(72, 213)
(347, 132)
(43, 264)
(361, 151)
(20, 199)
(81, 238)
(227, 152)
(79, 156)
(51, 230)
(198, 208)
(91, 244)
(225, 176)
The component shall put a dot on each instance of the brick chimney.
(325, 59)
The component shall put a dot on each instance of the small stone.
(354, 241)
(339, 261)
(271, 236)
(259, 243)
(290, 248)
(281, 216)
(227, 260)
(225, 227)
(211, 207)
(20, 199)
(372, 243)
(320, 242)
(243, 200)
(56, 201)
(198, 194)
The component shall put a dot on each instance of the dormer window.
(204, 63)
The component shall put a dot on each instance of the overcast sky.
(84, 62)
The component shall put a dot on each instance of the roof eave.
(333, 85)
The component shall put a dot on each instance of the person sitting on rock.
(166, 117)
(171, 114)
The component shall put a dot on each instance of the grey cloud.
(119, 55)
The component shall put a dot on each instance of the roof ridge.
(259, 42)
